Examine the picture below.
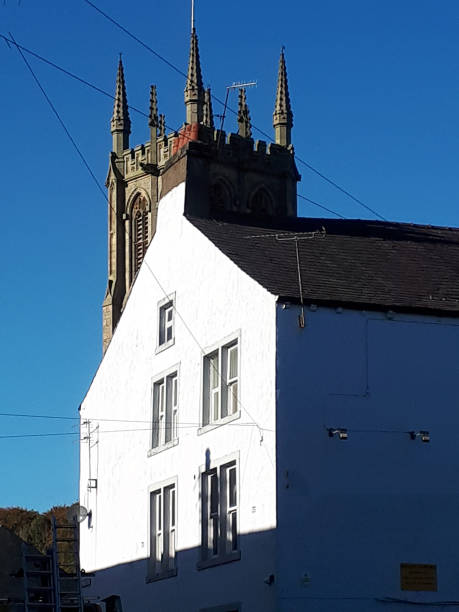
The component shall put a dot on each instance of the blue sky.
(375, 94)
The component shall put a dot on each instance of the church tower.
(223, 173)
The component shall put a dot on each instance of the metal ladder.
(39, 583)
(66, 554)
(52, 582)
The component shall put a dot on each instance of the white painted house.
(273, 423)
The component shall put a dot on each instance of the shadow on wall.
(247, 583)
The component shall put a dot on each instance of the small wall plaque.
(418, 577)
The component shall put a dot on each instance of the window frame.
(222, 350)
(166, 487)
(220, 468)
(165, 380)
(164, 305)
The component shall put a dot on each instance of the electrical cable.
(40, 435)
(101, 420)
(59, 118)
(334, 184)
(126, 31)
(108, 431)
(299, 195)
(260, 131)
(37, 416)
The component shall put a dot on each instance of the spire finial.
(162, 126)
(282, 116)
(208, 115)
(192, 15)
(194, 91)
(120, 122)
(243, 116)
(153, 115)
(153, 123)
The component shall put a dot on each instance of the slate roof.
(353, 263)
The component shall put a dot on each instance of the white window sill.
(213, 561)
(232, 417)
(162, 347)
(160, 449)
(162, 576)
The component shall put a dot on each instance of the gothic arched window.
(139, 229)
(261, 202)
(220, 196)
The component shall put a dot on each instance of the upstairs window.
(166, 323)
(220, 542)
(221, 376)
(162, 532)
(165, 411)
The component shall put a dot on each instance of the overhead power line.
(330, 181)
(320, 206)
(38, 416)
(41, 435)
(334, 184)
(134, 37)
(95, 418)
(122, 430)
(59, 118)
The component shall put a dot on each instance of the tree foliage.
(31, 526)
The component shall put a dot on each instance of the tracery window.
(261, 202)
(220, 196)
(139, 230)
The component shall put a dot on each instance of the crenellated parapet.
(231, 173)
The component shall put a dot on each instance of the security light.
(424, 435)
(341, 433)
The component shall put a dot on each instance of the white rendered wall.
(349, 512)
(216, 300)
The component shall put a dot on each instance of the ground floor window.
(220, 528)
(163, 510)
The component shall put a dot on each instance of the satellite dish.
(77, 513)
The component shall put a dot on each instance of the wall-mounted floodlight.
(424, 435)
(340, 432)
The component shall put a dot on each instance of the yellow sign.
(418, 577)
